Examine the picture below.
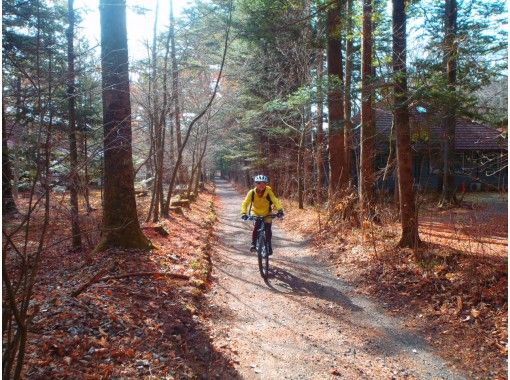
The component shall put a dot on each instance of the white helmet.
(261, 178)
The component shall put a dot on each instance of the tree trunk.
(120, 220)
(300, 166)
(319, 154)
(165, 211)
(159, 116)
(74, 180)
(85, 183)
(335, 103)
(347, 96)
(408, 214)
(366, 181)
(175, 80)
(8, 204)
(450, 56)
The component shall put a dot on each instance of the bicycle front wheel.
(262, 253)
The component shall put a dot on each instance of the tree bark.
(408, 214)
(366, 181)
(448, 197)
(300, 165)
(8, 203)
(121, 228)
(74, 180)
(175, 80)
(335, 102)
(85, 183)
(347, 96)
(319, 154)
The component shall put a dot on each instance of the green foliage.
(481, 58)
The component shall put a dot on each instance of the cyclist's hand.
(244, 217)
(279, 214)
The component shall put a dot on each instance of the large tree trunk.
(450, 56)
(335, 102)
(408, 214)
(319, 154)
(121, 228)
(367, 156)
(74, 180)
(347, 96)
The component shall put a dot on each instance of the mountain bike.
(262, 246)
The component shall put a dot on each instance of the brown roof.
(469, 135)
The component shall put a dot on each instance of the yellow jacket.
(261, 205)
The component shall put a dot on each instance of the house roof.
(469, 135)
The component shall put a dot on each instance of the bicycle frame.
(262, 246)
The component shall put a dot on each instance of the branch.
(135, 274)
(96, 278)
(99, 277)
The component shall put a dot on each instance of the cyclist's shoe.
(253, 248)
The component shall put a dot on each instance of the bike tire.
(263, 257)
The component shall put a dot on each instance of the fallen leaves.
(118, 322)
(458, 292)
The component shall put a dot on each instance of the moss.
(124, 239)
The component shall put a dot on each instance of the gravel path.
(304, 323)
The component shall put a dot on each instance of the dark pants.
(269, 233)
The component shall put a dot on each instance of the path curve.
(304, 323)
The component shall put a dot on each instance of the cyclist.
(260, 200)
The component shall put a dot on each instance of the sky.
(139, 27)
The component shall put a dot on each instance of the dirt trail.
(304, 323)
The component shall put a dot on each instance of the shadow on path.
(301, 287)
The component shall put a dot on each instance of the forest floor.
(136, 319)
(455, 294)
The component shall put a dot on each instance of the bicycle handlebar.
(253, 217)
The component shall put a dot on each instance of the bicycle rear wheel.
(262, 253)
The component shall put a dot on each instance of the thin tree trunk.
(300, 164)
(165, 211)
(15, 161)
(74, 179)
(195, 149)
(200, 160)
(347, 96)
(155, 121)
(86, 179)
(390, 162)
(319, 154)
(408, 214)
(175, 80)
(335, 103)
(366, 182)
(120, 219)
(450, 56)
(8, 203)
